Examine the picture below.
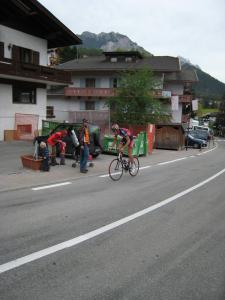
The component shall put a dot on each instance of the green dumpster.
(48, 126)
(140, 144)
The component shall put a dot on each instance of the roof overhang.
(30, 17)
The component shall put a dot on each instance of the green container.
(48, 126)
(140, 144)
(107, 142)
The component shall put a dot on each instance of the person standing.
(44, 153)
(84, 146)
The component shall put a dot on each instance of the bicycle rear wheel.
(135, 169)
(115, 169)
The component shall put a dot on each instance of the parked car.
(94, 130)
(200, 134)
(191, 141)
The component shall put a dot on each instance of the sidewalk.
(13, 176)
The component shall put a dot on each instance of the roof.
(123, 53)
(184, 75)
(99, 63)
(30, 17)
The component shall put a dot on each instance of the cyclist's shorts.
(124, 141)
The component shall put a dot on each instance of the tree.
(73, 52)
(134, 102)
(66, 54)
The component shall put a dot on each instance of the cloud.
(193, 29)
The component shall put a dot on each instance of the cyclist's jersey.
(124, 133)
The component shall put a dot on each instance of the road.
(168, 243)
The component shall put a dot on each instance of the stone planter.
(29, 162)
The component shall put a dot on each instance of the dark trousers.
(45, 165)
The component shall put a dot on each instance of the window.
(89, 105)
(24, 93)
(90, 82)
(114, 82)
(26, 55)
(50, 112)
(128, 59)
(113, 59)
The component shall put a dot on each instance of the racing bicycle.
(120, 165)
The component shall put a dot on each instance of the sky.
(193, 29)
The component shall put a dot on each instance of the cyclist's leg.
(130, 149)
(120, 146)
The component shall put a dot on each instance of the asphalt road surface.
(160, 235)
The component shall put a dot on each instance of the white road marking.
(82, 238)
(141, 168)
(51, 186)
(171, 161)
(107, 175)
(145, 167)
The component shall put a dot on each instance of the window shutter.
(1, 49)
(36, 58)
(111, 83)
(16, 53)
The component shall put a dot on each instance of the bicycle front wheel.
(115, 169)
(135, 168)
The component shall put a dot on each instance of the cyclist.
(126, 141)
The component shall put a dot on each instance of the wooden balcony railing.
(185, 118)
(11, 67)
(185, 98)
(89, 92)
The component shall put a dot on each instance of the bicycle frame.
(120, 164)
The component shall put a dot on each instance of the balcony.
(12, 69)
(89, 92)
(185, 118)
(185, 98)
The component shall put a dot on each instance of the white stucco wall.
(105, 82)
(62, 106)
(176, 89)
(176, 115)
(8, 108)
(102, 82)
(18, 38)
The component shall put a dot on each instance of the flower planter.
(29, 162)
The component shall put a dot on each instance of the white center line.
(80, 239)
(171, 161)
(51, 186)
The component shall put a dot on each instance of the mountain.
(110, 42)
(184, 61)
(207, 87)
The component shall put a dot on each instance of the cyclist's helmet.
(115, 127)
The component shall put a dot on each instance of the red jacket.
(55, 138)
